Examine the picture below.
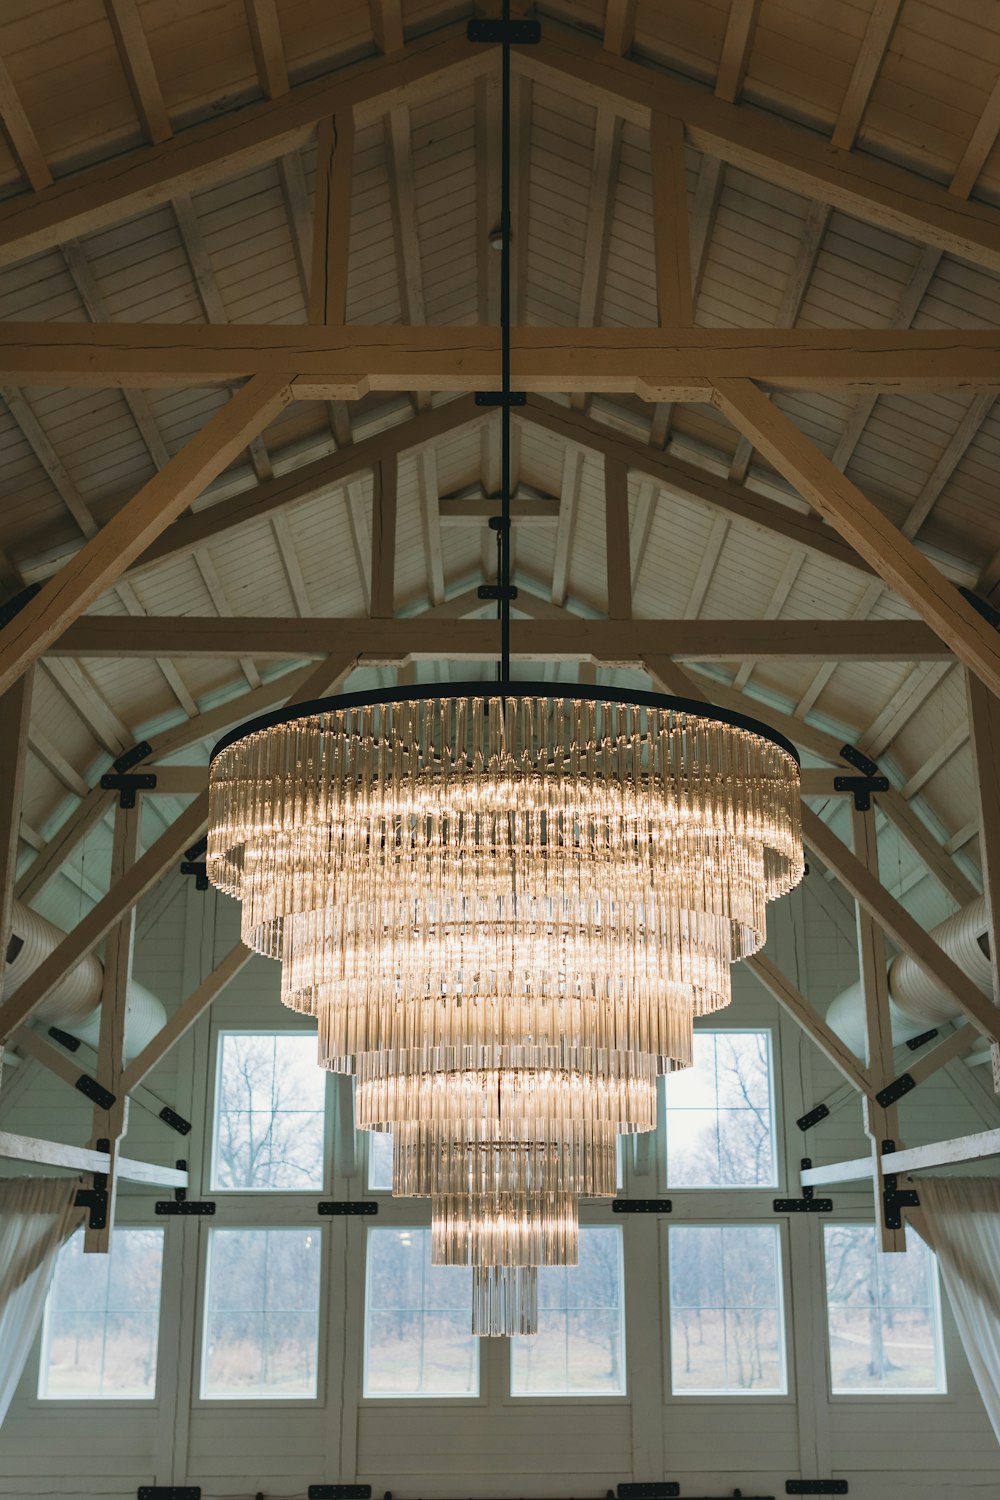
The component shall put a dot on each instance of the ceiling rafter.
(737, 45)
(861, 85)
(20, 135)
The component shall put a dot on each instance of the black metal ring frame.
(432, 692)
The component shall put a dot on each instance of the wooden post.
(881, 1122)
(984, 724)
(384, 539)
(618, 551)
(671, 235)
(14, 721)
(109, 1124)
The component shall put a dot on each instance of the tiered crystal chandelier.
(505, 904)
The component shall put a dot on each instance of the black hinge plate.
(333, 1208)
(861, 788)
(803, 1205)
(815, 1486)
(132, 757)
(95, 1201)
(340, 1492)
(895, 1090)
(859, 760)
(812, 1117)
(641, 1206)
(127, 786)
(95, 1091)
(518, 33)
(71, 1043)
(175, 1121)
(914, 1043)
(198, 870)
(656, 1490)
(500, 398)
(186, 1208)
(169, 1492)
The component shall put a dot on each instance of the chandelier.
(505, 904)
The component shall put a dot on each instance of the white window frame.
(770, 1028)
(282, 1403)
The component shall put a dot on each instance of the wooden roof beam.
(775, 150)
(21, 136)
(570, 639)
(736, 47)
(655, 364)
(387, 24)
(108, 554)
(619, 26)
(137, 61)
(226, 146)
(874, 45)
(893, 556)
(268, 50)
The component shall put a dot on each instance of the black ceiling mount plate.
(641, 1206)
(340, 1492)
(517, 33)
(657, 1489)
(347, 1207)
(169, 1492)
(813, 1117)
(815, 1486)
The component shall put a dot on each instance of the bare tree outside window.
(417, 1338)
(262, 1314)
(579, 1349)
(270, 1100)
(884, 1314)
(720, 1115)
(99, 1337)
(726, 1320)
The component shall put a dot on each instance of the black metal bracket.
(497, 398)
(340, 1492)
(641, 1206)
(499, 523)
(95, 1198)
(332, 1208)
(71, 1043)
(518, 33)
(128, 786)
(815, 1486)
(175, 1121)
(808, 1203)
(861, 787)
(658, 1489)
(95, 1091)
(14, 606)
(982, 607)
(813, 1116)
(914, 1043)
(198, 850)
(199, 870)
(181, 1206)
(130, 758)
(496, 591)
(169, 1492)
(895, 1090)
(895, 1198)
(859, 760)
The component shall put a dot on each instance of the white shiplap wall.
(496, 1446)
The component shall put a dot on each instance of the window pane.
(262, 1313)
(102, 1318)
(417, 1320)
(379, 1161)
(579, 1349)
(269, 1113)
(883, 1311)
(719, 1115)
(726, 1321)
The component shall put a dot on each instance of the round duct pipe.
(916, 1003)
(74, 1006)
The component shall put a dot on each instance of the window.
(102, 1320)
(379, 1161)
(269, 1113)
(417, 1320)
(719, 1114)
(262, 1314)
(726, 1333)
(579, 1349)
(883, 1312)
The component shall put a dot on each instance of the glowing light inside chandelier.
(505, 908)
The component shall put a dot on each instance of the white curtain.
(962, 1218)
(36, 1215)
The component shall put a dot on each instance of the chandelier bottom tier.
(505, 906)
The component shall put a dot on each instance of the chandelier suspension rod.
(503, 535)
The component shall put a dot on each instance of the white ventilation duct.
(74, 1006)
(916, 1003)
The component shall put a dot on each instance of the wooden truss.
(333, 362)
